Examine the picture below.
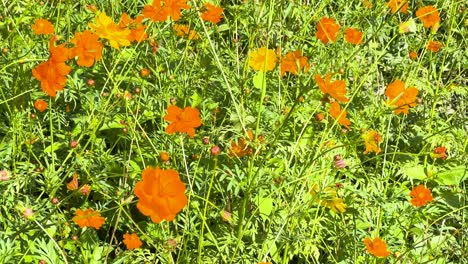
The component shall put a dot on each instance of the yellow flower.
(372, 140)
(263, 59)
(107, 29)
(328, 198)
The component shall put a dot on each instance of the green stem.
(205, 210)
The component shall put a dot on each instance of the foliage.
(294, 130)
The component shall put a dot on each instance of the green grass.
(273, 215)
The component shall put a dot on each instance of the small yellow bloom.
(107, 29)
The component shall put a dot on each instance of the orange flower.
(183, 30)
(440, 153)
(40, 105)
(400, 97)
(340, 115)
(161, 194)
(58, 54)
(420, 196)
(413, 55)
(53, 73)
(396, 5)
(164, 156)
(376, 247)
(73, 184)
(87, 48)
(434, 46)
(174, 8)
(156, 12)
(353, 36)
(52, 76)
(336, 89)
(372, 140)
(429, 16)
(327, 30)
(132, 241)
(107, 29)
(241, 148)
(42, 27)
(89, 218)
(263, 59)
(293, 62)
(212, 14)
(137, 29)
(182, 120)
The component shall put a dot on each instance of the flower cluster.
(328, 28)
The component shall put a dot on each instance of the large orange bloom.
(182, 120)
(340, 115)
(377, 247)
(107, 29)
(53, 73)
(263, 59)
(327, 30)
(353, 36)
(420, 196)
(89, 218)
(400, 97)
(429, 16)
(212, 13)
(52, 76)
(336, 89)
(174, 8)
(293, 62)
(132, 241)
(87, 48)
(42, 27)
(161, 194)
(156, 12)
(58, 54)
(401, 5)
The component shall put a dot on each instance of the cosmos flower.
(161, 194)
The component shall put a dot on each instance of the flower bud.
(73, 144)
(90, 82)
(339, 163)
(215, 150)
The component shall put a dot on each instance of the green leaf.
(259, 80)
(53, 147)
(453, 176)
(265, 206)
(414, 172)
(196, 99)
